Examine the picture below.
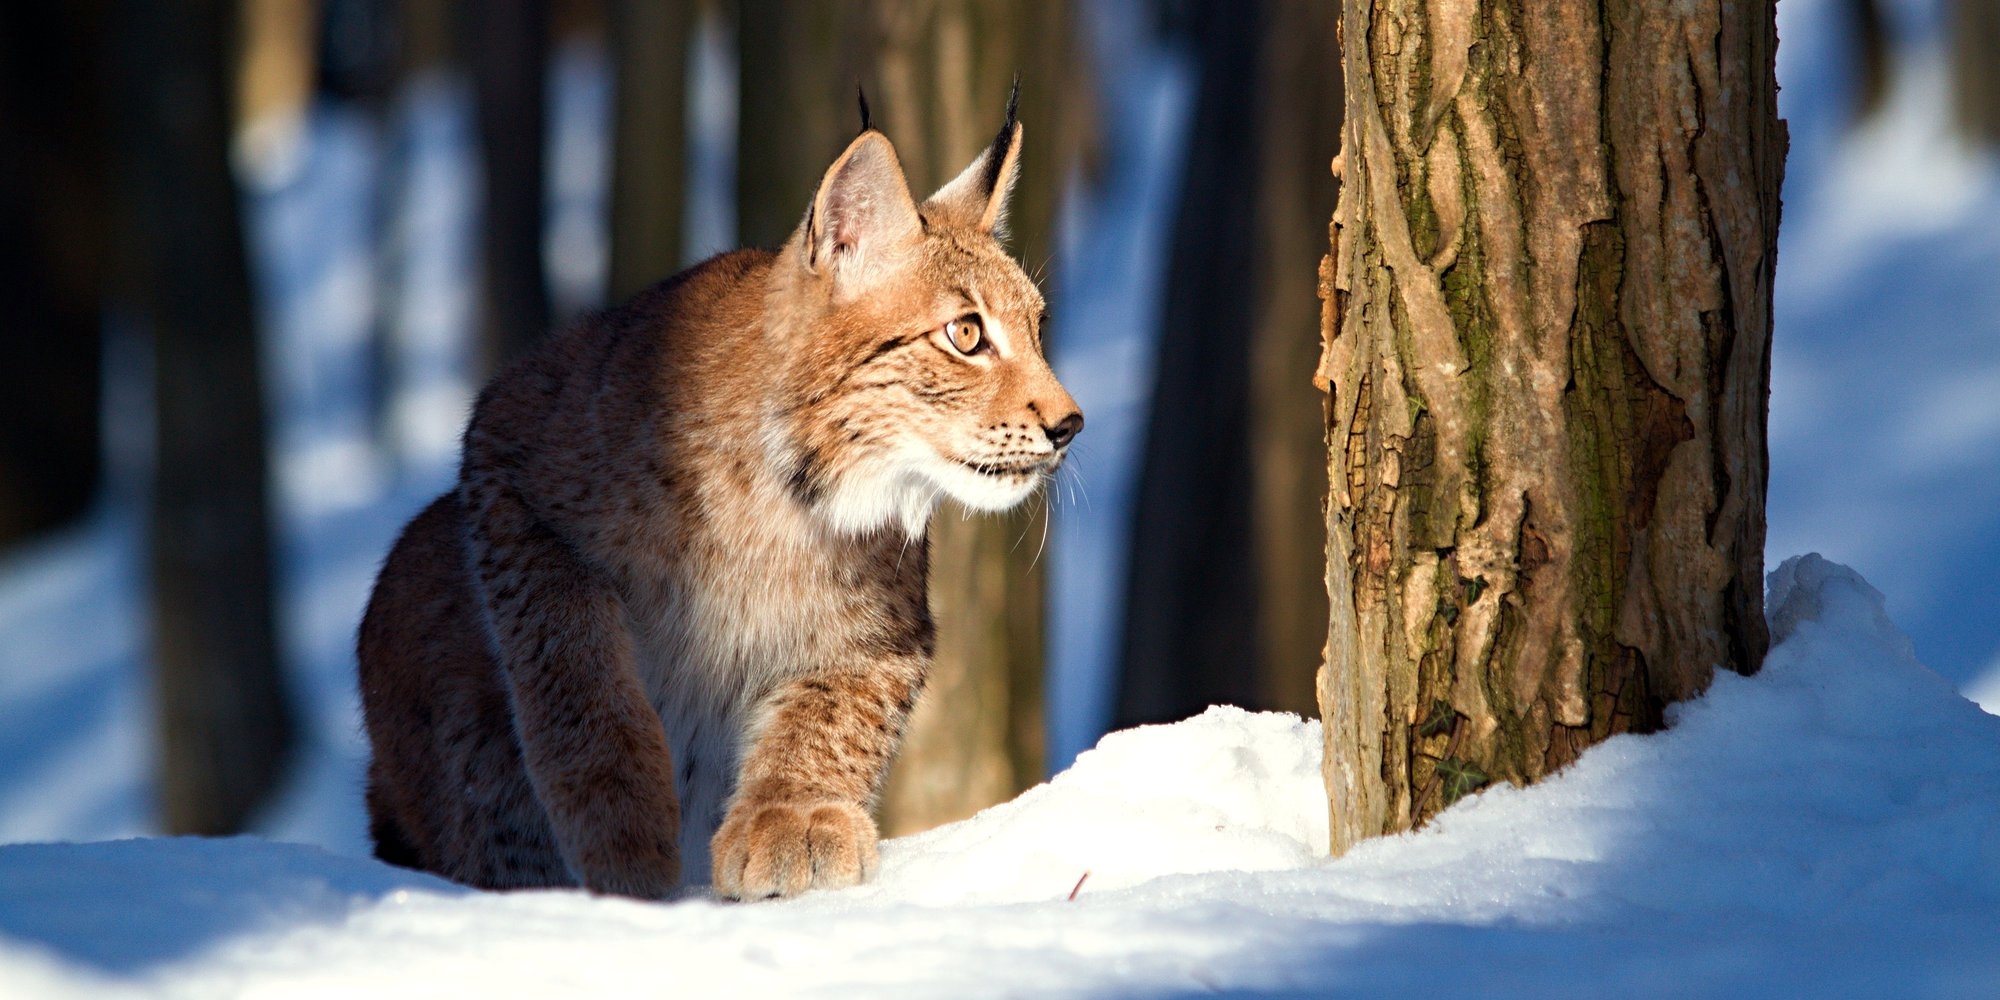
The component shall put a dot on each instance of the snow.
(1830, 826)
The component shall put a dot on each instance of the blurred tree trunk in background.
(1547, 346)
(797, 65)
(1225, 603)
(226, 726)
(649, 61)
(1975, 67)
(368, 51)
(1870, 32)
(54, 231)
(1298, 83)
(423, 36)
(1190, 607)
(937, 76)
(275, 74)
(941, 80)
(507, 43)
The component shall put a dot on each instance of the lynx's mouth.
(991, 484)
(1012, 470)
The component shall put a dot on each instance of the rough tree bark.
(226, 724)
(937, 75)
(1547, 334)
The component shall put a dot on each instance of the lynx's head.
(915, 346)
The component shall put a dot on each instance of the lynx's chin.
(992, 486)
(908, 499)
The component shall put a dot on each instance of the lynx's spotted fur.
(673, 617)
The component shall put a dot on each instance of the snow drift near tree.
(1828, 827)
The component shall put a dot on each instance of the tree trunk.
(402, 43)
(1287, 435)
(226, 726)
(649, 57)
(54, 230)
(1975, 76)
(276, 70)
(797, 65)
(1870, 34)
(1190, 606)
(508, 47)
(937, 76)
(1224, 602)
(1547, 339)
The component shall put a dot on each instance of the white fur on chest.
(703, 714)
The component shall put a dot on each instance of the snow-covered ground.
(1830, 827)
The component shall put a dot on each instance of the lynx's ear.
(863, 213)
(978, 195)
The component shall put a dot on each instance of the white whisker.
(1043, 545)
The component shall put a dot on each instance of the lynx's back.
(676, 604)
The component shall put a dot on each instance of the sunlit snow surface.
(1829, 827)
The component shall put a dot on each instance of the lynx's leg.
(800, 818)
(595, 752)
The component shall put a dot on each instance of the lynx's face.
(925, 378)
(938, 389)
(978, 414)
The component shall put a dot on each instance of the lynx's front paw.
(767, 849)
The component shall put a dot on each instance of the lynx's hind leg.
(447, 790)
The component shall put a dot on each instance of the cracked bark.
(1546, 346)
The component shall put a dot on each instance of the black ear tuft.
(996, 155)
(977, 197)
(862, 96)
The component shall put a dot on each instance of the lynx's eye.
(966, 334)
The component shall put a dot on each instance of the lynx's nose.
(1064, 429)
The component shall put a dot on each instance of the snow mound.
(1227, 789)
(1828, 827)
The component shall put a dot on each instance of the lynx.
(670, 622)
